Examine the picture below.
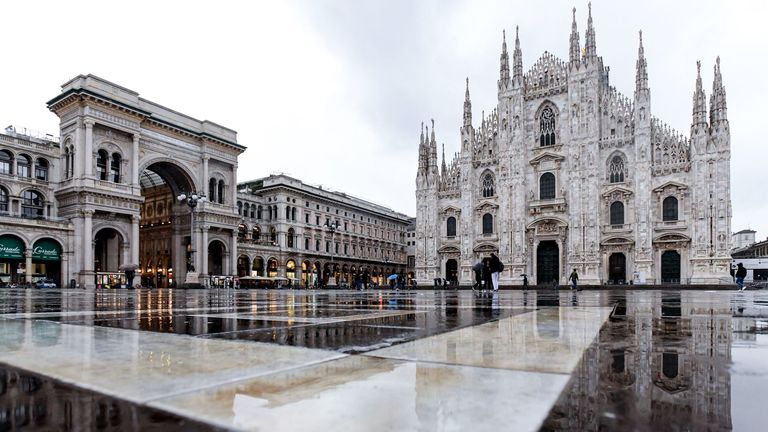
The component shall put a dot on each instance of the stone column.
(135, 164)
(233, 255)
(88, 240)
(135, 245)
(204, 186)
(234, 185)
(88, 156)
(202, 251)
(28, 263)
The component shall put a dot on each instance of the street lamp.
(332, 227)
(191, 200)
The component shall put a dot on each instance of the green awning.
(46, 250)
(11, 247)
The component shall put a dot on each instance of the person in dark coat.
(478, 269)
(487, 278)
(741, 273)
(495, 270)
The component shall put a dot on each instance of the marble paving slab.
(139, 366)
(546, 340)
(373, 394)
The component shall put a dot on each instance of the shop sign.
(11, 247)
(46, 250)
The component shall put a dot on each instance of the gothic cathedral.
(566, 173)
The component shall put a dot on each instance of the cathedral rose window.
(547, 123)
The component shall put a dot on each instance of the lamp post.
(191, 200)
(332, 227)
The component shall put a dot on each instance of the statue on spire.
(641, 77)
(590, 48)
(575, 42)
(504, 60)
(517, 71)
(467, 107)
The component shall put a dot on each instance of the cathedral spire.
(517, 71)
(432, 151)
(504, 60)
(575, 42)
(717, 105)
(467, 107)
(590, 49)
(699, 102)
(443, 168)
(641, 78)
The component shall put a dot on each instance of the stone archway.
(617, 268)
(216, 250)
(547, 262)
(451, 270)
(670, 267)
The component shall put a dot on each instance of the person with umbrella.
(392, 279)
(478, 269)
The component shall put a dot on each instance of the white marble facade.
(566, 173)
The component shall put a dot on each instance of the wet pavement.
(378, 360)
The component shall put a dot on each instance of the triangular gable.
(670, 184)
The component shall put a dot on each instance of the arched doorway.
(12, 259)
(617, 268)
(670, 267)
(306, 268)
(547, 263)
(216, 258)
(46, 260)
(272, 267)
(258, 267)
(107, 256)
(243, 266)
(451, 270)
(290, 271)
(161, 241)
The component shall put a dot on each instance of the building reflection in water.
(660, 363)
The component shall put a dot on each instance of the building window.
(3, 200)
(115, 168)
(317, 245)
(293, 213)
(487, 223)
(616, 170)
(41, 169)
(488, 185)
(6, 162)
(220, 192)
(256, 234)
(547, 186)
(240, 208)
(273, 235)
(258, 213)
(670, 209)
(68, 162)
(212, 190)
(547, 127)
(306, 243)
(242, 230)
(287, 212)
(617, 213)
(327, 246)
(306, 218)
(23, 169)
(31, 204)
(451, 227)
(290, 237)
(101, 165)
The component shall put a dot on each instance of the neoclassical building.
(567, 173)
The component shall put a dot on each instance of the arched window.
(451, 227)
(24, 164)
(616, 170)
(67, 162)
(487, 223)
(253, 211)
(212, 190)
(270, 212)
(101, 165)
(6, 162)
(547, 127)
(242, 230)
(3, 200)
(669, 209)
(617, 213)
(31, 204)
(293, 213)
(220, 192)
(488, 185)
(287, 212)
(273, 235)
(256, 233)
(240, 207)
(41, 169)
(290, 237)
(547, 186)
(115, 168)
(258, 213)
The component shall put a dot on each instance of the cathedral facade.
(567, 173)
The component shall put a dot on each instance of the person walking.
(574, 278)
(741, 273)
(496, 268)
(525, 281)
(487, 274)
(478, 269)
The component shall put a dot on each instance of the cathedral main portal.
(547, 262)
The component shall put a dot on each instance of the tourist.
(478, 269)
(741, 273)
(574, 278)
(487, 274)
(496, 269)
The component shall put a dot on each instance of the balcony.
(550, 205)
(676, 225)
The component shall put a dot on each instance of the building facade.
(306, 234)
(566, 173)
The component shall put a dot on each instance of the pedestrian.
(574, 278)
(741, 273)
(496, 268)
(487, 274)
(478, 269)
(525, 281)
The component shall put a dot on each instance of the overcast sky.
(334, 92)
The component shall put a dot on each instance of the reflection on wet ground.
(590, 360)
(32, 402)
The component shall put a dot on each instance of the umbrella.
(392, 277)
(478, 267)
